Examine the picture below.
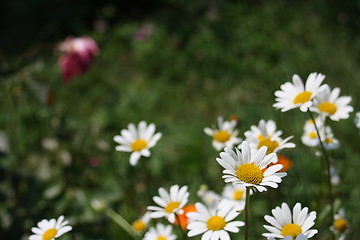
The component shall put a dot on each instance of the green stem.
(247, 201)
(327, 164)
(121, 222)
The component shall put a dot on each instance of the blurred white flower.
(340, 226)
(236, 194)
(50, 144)
(357, 120)
(266, 134)
(160, 232)
(4, 147)
(210, 198)
(137, 140)
(328, 104)
(225, 135)
(141, 224)
(50, 229)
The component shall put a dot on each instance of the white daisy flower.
(170, 204)
(250, 170)
(160, 232)
(210, 198)
(141, 224)
(137, 140)
(329, 104)
(225, 135)
(357, 120)
(310, 136)
(284, 223)
(299, 237)
(340, 226)
(329, 141)
(213, 223)
(265, 134)
(295, 94)
(236, 194)
(50, 229)
(310, 124)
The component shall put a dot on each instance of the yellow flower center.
(249, 173)
(302, 97)
(238, 195)
(172, 206)
(328, 140)
(222, 136)
(161, 238)
(271, 145)
(291, 230)
(215, 223)
(328, 107)
(138, 145)
(49, 234)
(260, 137)
(340, 225)
(139, 226)
(312, 134)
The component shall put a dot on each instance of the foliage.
(227, 60)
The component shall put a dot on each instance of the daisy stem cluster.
(121, 222)
(327, 163)
(247, 202)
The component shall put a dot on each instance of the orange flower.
(287, 163)
(182, 217)
(234, 117)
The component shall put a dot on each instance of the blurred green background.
(198, 60)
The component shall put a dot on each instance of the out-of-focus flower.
(50, 144)
(98, 204)
(296, 95)
(210, 198)
(182, 218)
(340, 226)
(250, 170)
(94, 161)
(214, 223)
(287, 163)
(330, 142)
(335, 178)
(299, 237)
(79, 54)
(310, 136)
(4, 147)
(144, 32)
(265, 134)
(328, 104)
(50, 229)
(141, 224)
(170, 204)
(284, 223)
(137, 140)
(236, 194)
(225, 135)
(357, 120)
(160, 232)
